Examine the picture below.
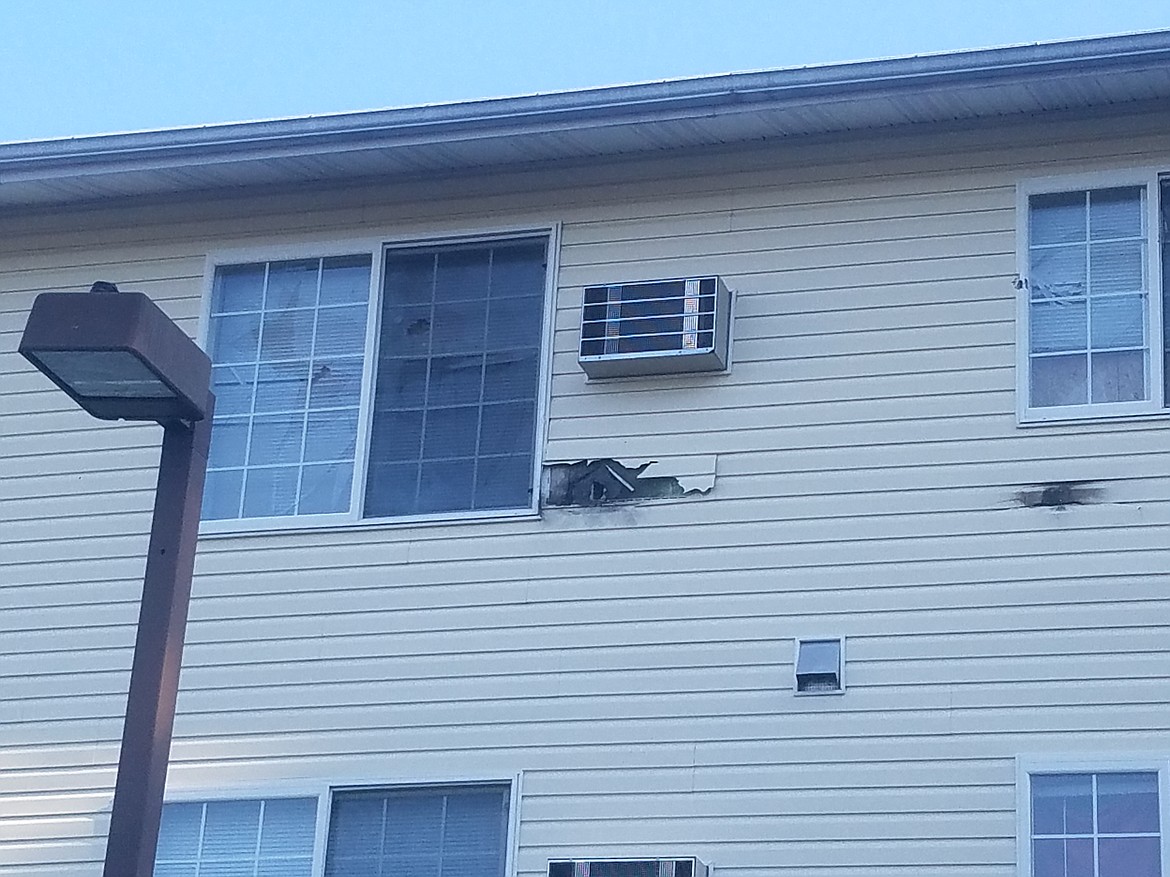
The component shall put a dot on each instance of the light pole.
(121, 358)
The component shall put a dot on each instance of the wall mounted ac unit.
(660, 327)
(628, 868)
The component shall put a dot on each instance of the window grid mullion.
(442, 834)
(487, 314)
(255, 389)
(308, 388)
(1096, 852)
(259, 833)
(422, 437)
(199, 846)
(382, 837)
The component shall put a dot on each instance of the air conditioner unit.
(660, 327)
(627, 868)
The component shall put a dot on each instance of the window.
(426, 831)
(230, 838)
(436, 832)
(819, 666)
(1091, 309)
(1094, 824)
(435, 414)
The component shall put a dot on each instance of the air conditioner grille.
(655, 327)
(628, 868)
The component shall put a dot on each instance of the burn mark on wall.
(607, 481)
(1058, 494)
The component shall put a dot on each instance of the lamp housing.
(118, 356)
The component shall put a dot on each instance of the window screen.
(253, 838)
(426, 832)
(454, 420)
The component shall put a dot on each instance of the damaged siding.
(634, 661)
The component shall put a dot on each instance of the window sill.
(280, 526)
(1057, 417)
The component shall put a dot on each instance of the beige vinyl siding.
(634, 663)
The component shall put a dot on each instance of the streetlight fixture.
(121, 358)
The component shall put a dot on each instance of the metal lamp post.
(121, 358)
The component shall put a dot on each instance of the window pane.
(1116, 213)
(335, 382)
(1062, 804)
(229, 443)
(507, 428)
(178, 833)
(341, 331)
(233, 386)
(221, 494)
(1130, 857)
(238, 288)
(235, 338)
(287, 830)
(397, 436)
(1118, 321)
(266, 378)
(515, 322)
(1058, 272)
(462, 274)
(325, 489)
(1119, 377)
(419, 833)
(451, 432)
(230, 838)
(1059, 325)
(281, 386)
(1059, 380)
(231, 828)
(503, 482)
(345, 279)
(402, 383)
(271, 492)
(455, 380)
(436, 319)
(287, 334)
(1127, 802)
(1062, 858)
(446, 486)
(276, 439)
(1117, 266)
(392, 489)
(331, 436)
(292, 285)
(1057, 218)
(511, 374)
(458, 327)
(518, 270)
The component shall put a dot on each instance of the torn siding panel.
(605, 481)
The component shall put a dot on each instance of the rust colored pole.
(158, 650)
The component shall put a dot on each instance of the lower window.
(427, 831)
(1095, 824)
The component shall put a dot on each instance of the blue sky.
(70, 67)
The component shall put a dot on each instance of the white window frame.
(1150, 178)
(323, 792)
(837, 638)
(1029, 765)
(377, 247)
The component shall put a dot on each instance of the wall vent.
(659, 327)
(628, 868)
(820, 666)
